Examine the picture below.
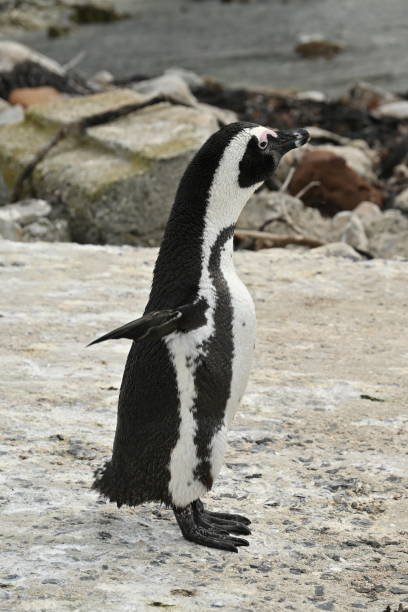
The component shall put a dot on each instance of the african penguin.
(189, 362)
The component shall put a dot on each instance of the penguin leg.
(231, 523)
(212, 536)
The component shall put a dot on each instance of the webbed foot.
(211, 528)
(231, 523)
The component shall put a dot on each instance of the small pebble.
(398, 590)
(327, 605)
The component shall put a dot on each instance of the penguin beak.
(288, 139)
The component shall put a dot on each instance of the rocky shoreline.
(115, 183)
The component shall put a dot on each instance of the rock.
(354, 234)
(21, 19)
(356, 153)
(398, 590)
(9, 230)
(10, 114)
(55, 30)
(338, 225)
(337, 249)
(388, 236)
(13, 53)
(337, 187)
(117, 183)
(327, 605)
(401, 201)
(393, 110)
(285, 213)
(95, 11)
(313, 96)
(314, 46)
(27, 96)
(222, 115)
(24, 212)
(367, 212)
(20, 67)
(400, 173)
(168, 84)
(4, 192)
(261, 207)
(48, 230)
(325, 136)
(191, 79)
(29, 220)
(366, 96)
(102, 79)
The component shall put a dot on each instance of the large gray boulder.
(117, 183)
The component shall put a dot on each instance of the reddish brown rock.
(338, 187)
(27, 96)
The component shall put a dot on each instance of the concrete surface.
(317, 457)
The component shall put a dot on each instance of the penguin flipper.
(154, 324)
(159, 323)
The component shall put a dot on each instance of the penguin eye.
(263, 144)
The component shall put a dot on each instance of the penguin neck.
(187, 249)
(208, 202)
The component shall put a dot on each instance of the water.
(247, 44)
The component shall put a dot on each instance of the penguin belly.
(212, 366)
(243, 334)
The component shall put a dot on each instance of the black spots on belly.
(243, 324)
(214, 371)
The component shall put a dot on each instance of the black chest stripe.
(214, 371)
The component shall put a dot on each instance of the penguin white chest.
(243, 334)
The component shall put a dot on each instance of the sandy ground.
(317, 457)
(246, 43)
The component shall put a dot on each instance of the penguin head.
(264, 150)
(229, 167)
(260, 150)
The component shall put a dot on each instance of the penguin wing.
(159, 323)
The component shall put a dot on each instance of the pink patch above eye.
(263, 138)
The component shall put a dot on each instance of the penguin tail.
(104, 483)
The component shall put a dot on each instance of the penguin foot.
(196, 527)
(231, 523)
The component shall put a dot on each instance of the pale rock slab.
(116, 184)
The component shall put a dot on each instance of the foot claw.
(211, 528)
(230, 517)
